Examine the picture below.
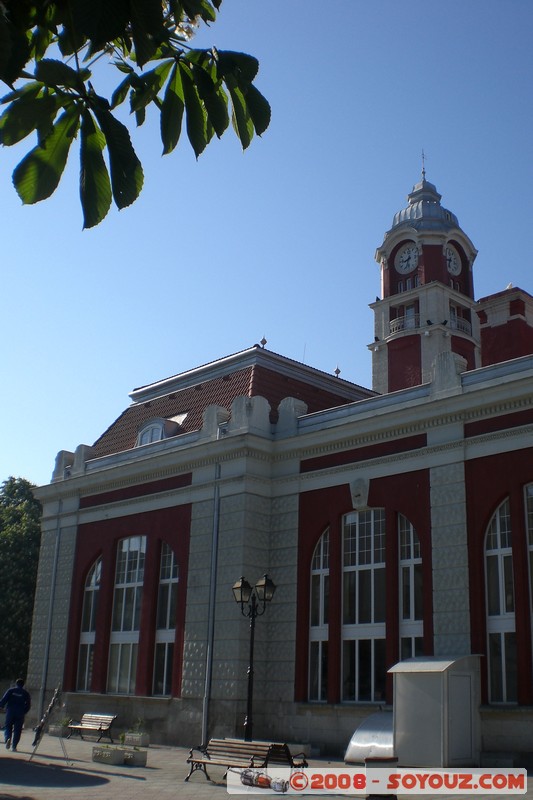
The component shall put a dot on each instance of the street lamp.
(253, 604)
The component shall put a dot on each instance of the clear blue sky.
(278, 241)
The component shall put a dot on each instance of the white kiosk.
(436, 711)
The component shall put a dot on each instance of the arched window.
(166, 622)
(363, 615)
(88, 627)
(126, 615)
(153, 432)
(411, 625)
(500, 607)
(318, 638)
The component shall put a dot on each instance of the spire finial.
(423, 165)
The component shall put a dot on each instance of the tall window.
(411, 626)
(500, 607)
(363, 629)
(318, 639)
(126, 615)
(88, 627)
(166, 622)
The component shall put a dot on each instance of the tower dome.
(424, 210)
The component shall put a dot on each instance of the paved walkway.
(45, 775)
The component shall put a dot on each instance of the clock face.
(453, 262)
(406, 259)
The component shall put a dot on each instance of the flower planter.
(108, 755)
(136, 739)
(135, 758)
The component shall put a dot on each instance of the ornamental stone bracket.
(359, 491)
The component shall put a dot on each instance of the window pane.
(324, 671)
(419, 601)
(162, 605)
(365, 669)
(493, 587)
(405, 648)
(129, 599)
(365, 601)
(124, 668)
(406, 592)
(380, 591)
(326, 600)
(117, 610)
(173, 605)
(114, 652)
(508, 583)
(315, 600)
(495, 662)
(348, 604)
(510, 667)
(365, 538)
(313, 670)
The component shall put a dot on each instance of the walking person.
(16, 702)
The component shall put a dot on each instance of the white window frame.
(166, 633)
(88, 627)
(318, 620)
(410, 590)
(500, 605)
(364, 531)
(125, 620)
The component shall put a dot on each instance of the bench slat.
(95, 723)
(239, 754)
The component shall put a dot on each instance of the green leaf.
(121, 92)
(126, 169)
(214, 98)
(26, 115)
(15, 46)
(241, 65)
(147, 28)
(242, 121)
(56, 73)
(38, 174)
(41, 40)
(95, 186)
(147, 86)
(258, 108)
(172, 111)
(199, 8)
(196, 116)
(99, 20)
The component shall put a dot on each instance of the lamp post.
(253, 604)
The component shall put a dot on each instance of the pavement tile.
(44, 774)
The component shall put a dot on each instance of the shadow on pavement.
(30, 774)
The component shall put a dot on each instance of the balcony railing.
(408, 323)
(412, 321)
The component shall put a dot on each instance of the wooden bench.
(97, 724)
(237, 754)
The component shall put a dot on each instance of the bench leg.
(196, 766)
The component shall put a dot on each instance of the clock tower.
(427, 291)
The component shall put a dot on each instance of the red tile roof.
(262, 374)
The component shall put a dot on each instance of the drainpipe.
(46, 657)
(211, 608)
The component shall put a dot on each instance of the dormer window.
(151, 433)
(154, 430)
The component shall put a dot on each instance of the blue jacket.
(16, 700)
